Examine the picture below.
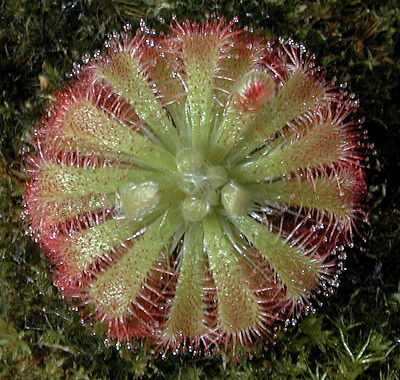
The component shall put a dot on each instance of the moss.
(354, 336)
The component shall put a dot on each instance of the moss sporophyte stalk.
(196, 187)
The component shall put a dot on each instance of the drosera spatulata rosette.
(196, 187)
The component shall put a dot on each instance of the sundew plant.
(196, 187)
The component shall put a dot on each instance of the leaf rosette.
(195, 187)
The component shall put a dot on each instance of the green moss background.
(354, 335)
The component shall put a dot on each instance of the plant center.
(207, 187)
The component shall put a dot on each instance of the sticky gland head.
(196, 188)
